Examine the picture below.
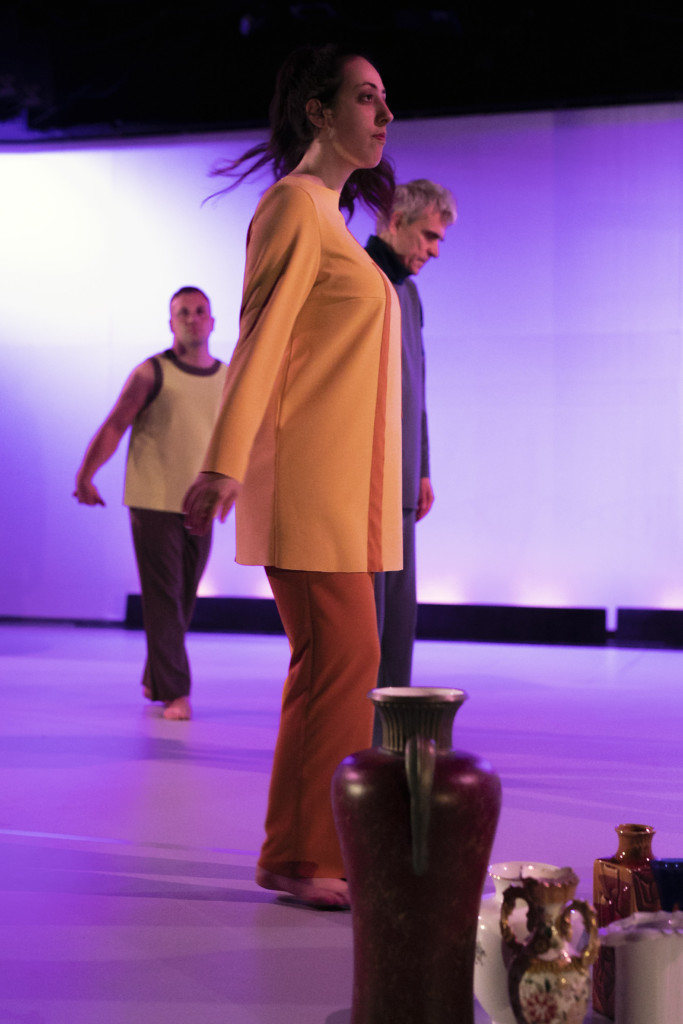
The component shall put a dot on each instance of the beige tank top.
(170, 435)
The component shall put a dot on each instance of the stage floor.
(128, 843)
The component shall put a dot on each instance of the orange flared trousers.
(330, 621)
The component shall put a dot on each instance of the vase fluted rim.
(427, 694)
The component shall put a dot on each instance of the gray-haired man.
(405, 241)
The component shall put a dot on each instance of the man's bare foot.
(178, 710)
(323, 893)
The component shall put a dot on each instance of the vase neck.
(401, 720)
(635, 844)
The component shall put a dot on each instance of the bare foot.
(178, 710)
(323, 893)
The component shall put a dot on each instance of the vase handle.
(510, 897)
(420, 761)
(590, 952)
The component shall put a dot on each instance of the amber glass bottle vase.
(622, 885)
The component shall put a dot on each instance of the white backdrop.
(553, 336)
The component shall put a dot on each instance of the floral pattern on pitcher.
(543, 1001)
(548, 979)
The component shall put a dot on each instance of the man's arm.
(425, 498)
(132, 399)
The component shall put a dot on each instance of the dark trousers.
(396, 602)
(170, 565)
(329, 619)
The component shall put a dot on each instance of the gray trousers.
(396, 603)
(170, 565)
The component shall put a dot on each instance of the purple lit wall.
(553, 336)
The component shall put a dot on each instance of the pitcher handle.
(510, 897)
(420, 754)
(590, 952)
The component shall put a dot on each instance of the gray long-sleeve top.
(414, 413)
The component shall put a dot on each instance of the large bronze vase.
(416, 821)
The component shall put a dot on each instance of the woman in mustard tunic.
(307, 442)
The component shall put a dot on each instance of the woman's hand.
(211, 494)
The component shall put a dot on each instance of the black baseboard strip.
(513, 624)
(220, 615)
(584, 627)
(650, 627)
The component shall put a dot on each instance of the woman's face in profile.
(356, 124)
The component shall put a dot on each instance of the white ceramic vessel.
(492, 956)
(649, 961)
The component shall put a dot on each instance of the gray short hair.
(413, 198)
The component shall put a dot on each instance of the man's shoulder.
(409, 288)
(170, 358)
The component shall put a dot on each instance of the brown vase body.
(416, 840)
(622, 885)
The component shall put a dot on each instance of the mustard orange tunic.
(310, 419)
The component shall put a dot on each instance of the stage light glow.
(552, 329)
(670, 599)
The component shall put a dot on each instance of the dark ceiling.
(117, 68)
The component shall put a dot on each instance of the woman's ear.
(315, 113)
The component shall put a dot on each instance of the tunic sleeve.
(283, 258)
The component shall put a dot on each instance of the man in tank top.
(170, 402)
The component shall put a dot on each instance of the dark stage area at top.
(115, 68)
